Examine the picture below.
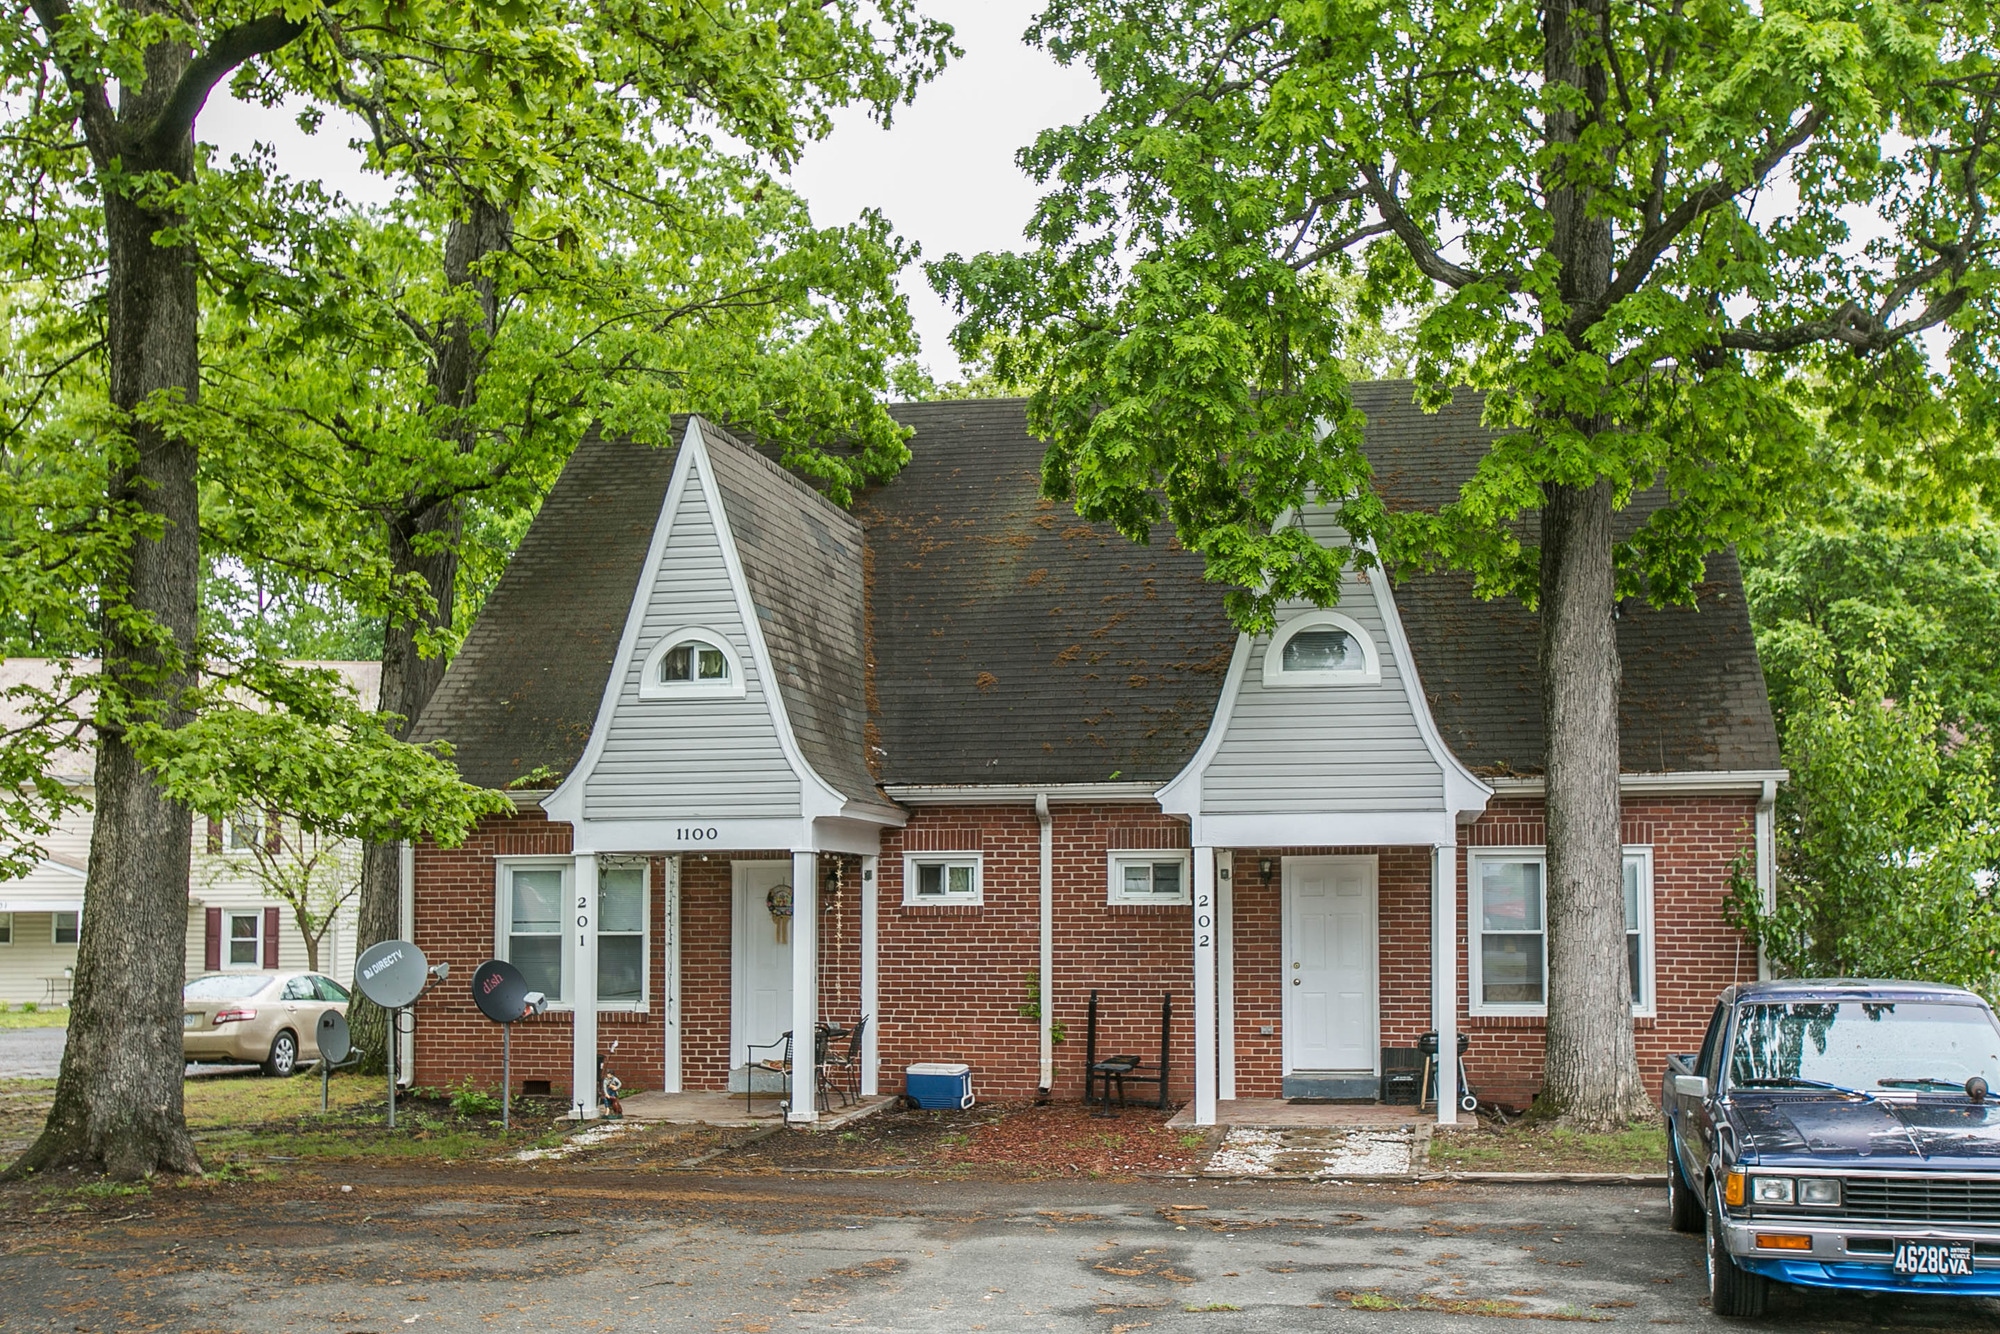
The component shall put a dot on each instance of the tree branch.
(1432, 265)
(231, 47)
(99, 121)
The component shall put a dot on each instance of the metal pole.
(395, 1035)
(323, 1076)
(506, 1073)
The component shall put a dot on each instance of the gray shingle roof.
(1007, 641)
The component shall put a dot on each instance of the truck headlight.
(1770, 1190)
(1824, 1191)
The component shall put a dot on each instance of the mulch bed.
(1010, 1141)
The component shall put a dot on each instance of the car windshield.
(227, 986)
(1864, 1045)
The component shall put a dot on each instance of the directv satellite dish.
(499, 990)
(392, 974)
(334, 1042)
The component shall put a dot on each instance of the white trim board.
(1687, 782)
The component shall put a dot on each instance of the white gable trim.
(1463, 789)
(1464, 792)
(817, 798)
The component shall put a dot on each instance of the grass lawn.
(12, 1016)
(1641, 1147)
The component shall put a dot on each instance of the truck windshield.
(1902, 1045)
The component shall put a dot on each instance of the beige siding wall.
(32, 958)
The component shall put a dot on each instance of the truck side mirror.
(1691, 1086)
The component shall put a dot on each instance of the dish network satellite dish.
(502, 994)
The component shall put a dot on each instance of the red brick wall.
(954, 979)
(1695, 841)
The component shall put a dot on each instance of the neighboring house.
(929, 761)
(233, 921)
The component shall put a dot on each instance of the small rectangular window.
(6, 928)
(243, 831)
(621, 935)
(946, 877)
(1149, 877)
(246, 931)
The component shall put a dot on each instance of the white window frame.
(230, 846)
(1117, 860)
(1277, 678)
(503, 913)
(229, 916)
(6, 929)
(644, 866)
(652, 687)
(912, 860)
(1475, 984)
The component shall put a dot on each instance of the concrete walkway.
(1278, 1114)
(729, 1109)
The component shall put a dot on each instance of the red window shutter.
(214, 836)
(270, 937)
(211, 947)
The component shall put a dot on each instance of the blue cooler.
(939, 1084)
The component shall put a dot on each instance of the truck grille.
(1923, 1200)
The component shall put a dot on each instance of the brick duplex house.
(958, 755)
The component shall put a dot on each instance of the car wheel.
(1684, 1209)
(284, 1057)
(1732, 1289)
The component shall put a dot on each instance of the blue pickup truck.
(1839, 1134)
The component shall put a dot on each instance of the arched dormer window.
(691, 661)
(1321, 648)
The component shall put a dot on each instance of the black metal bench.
(1121, 1070)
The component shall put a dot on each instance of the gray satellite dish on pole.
(392, 974)
(334, 1046)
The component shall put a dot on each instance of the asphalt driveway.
(562, 1248)
(30, 1053)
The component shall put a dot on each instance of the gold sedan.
(267, 1019)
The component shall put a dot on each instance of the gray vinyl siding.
(1331, 749)
(716, 758)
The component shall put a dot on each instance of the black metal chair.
(842, 1069)
(780, 1064)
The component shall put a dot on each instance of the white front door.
(1329, 962)
(762, 967)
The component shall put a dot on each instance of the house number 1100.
(707, 835)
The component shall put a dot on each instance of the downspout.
(406, 1043)
(1766, 835)
(1045, 988)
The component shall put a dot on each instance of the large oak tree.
(1629, 222)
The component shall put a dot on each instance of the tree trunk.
(118, 1094)
(1590, 1075)
(423, 536)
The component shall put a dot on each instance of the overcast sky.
(944, 174)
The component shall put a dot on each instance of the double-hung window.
(621, 934)
(246, 940)
(1509, 916)
(1149, 877)
(6, 928)
(532, 898)
(942, 877)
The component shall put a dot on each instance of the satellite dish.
(499, 990)
(334, 1042)
(392, 974)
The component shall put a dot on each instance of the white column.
(1045, 984)
(583, 991)
(670, 976)
(1225, 976)
(871, 986)
(1444, 976)
(1204, 987)
(803, 1100)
